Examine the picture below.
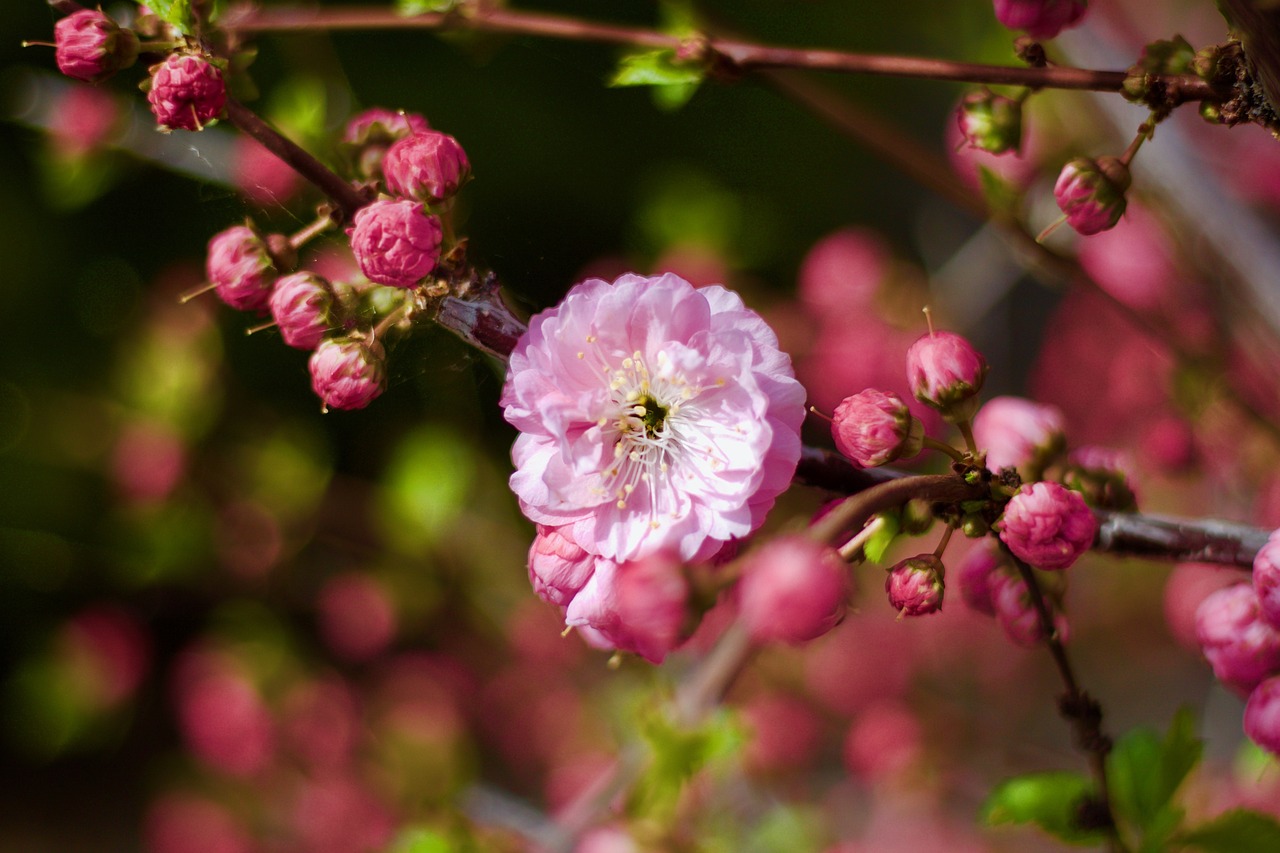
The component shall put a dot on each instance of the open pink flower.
(652, 417)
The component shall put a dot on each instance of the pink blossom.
(1266, 578)
(222, 715)
(1048, 525)
(148, 460)
(915, 586)
(946, 372)
(977, 576)
(1042, 19)
(1090, 193)
(874, 428)
(90, 46)
(1017, 615)
(301, 304)
(1134, 262)
(1262, 715)
(1188, 585)
(652, 416)
(348, 373)
(395, 242)
(429, 166)
(240, 266)
(792, 590)
(1242, 647)
(558, 567)
(640, 606)
(1016, 433)
(186, 93)
(884, 740)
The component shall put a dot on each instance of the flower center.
(654, 415)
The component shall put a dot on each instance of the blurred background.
(231, 623)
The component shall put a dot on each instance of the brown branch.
(346, 197)
(739, 55)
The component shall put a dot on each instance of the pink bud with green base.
(1047, 526)
(946, 372)
(874, 428)
(348, 373)
(240, 267)
(990, 122)
(429, 166)
(915, 586)
(1091, 193)
(395, 242)
(302, 305)
(90, 46)
(187, 92)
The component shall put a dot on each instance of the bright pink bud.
(1042, 19)
(1242, 647)
(302, 306)
(395, 242)
(874, 428)
(1266, 579)
(186, 92)
(558, 567)
(946, 372)
(991, 122)
(1017, 433)
(1091, 193)
(1048, 525)
(1017, 614)
(368, 135)
(915, 586)
(792, 590)
(1262, 715)
(429, 166)
(977, 576)
(348, 373)
(240, 266)
(90, 46)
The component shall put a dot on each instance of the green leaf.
(1234, 832)
(674, 81)
(1144, 772)
(881, 540)
(677, 753)
(1049, 800)
(422, 841)
(175, 12)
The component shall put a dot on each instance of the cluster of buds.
(1239, 632)
(989, 586)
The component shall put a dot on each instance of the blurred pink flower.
(357, 616)
(148, 461)
(652, 417)
(785, 733)
(842, 273)
(1188, 585)
(260, 176)
(1242, 647)
(1016, 433)
(221, 714)
(884, 740)
(793, 590)
(82, 119)
(109, 651)
(183, 823)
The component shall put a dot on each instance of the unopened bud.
(1091, 193)
(429, 166)
(367, 137)
(946, 372)
(186, 92)
(395, 242)
(240, 267)
(792, 590)
(990, 122)
(1047, 526)
(1043, 19)
(1262, 715)
(915, 586)
(302, 306)
(348, 373)
(1018, 433)
(1266, 579)
(1017, 614)
(1242, 647)
(89, 45)
(874, 428)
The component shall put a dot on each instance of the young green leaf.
(883, 537)
(1049, 800)
(1234, 832)
(409, 8)
(174, 12)
(1144, 772)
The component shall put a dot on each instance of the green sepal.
(1051, 801)
(879, 542)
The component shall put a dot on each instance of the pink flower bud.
(915, 586)
(1262, 715)
(395, 242)
(348, 373)
(368, 135)
(1091, 193)
(1017, 615)
(186, 92)
(1048, 525)
(90, 46)
(1017, 433)
(558, 567)
(991, 122)
(792, 590)
(874, 428)
(946, 372)
(302, 306)
(1042, 19)
(1266, 579)
(240, 266)
(429, 166)
(1242, 647)
(977, 577)
(638, 607)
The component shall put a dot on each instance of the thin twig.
(739, 55)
